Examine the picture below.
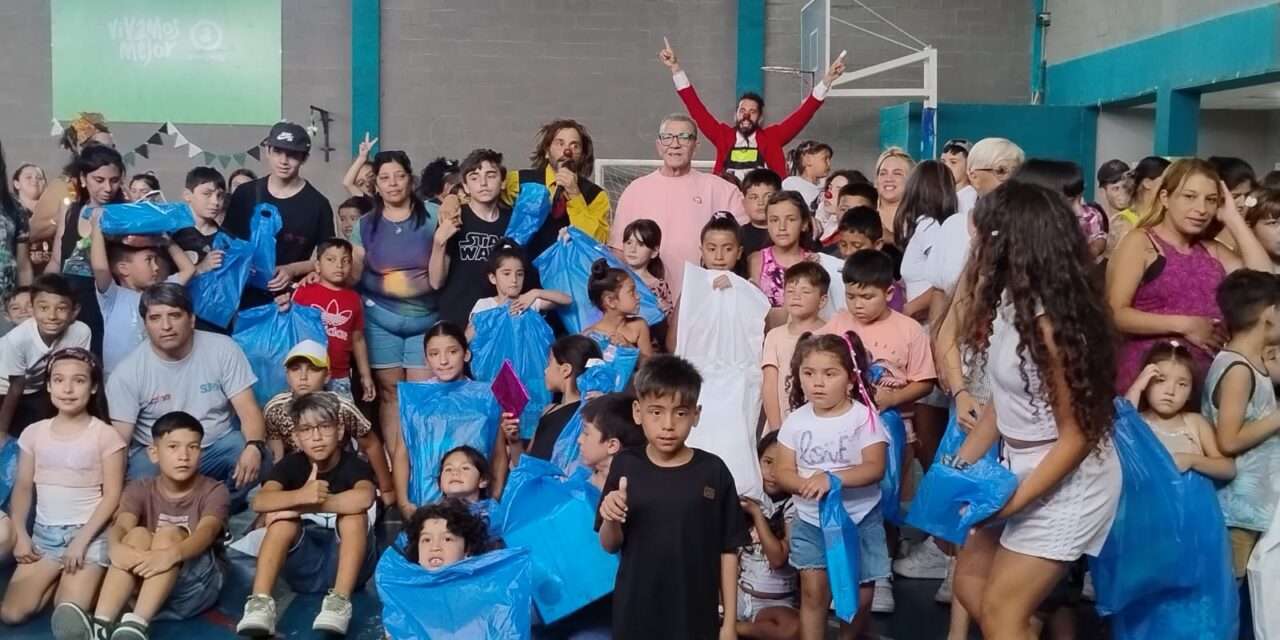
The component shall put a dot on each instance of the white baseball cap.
(313, 351)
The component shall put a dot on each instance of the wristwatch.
(260, 444)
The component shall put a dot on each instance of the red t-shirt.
(342, 313)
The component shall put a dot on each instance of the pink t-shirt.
(681, 206)
(68, 471)
(898, 343)
(779, 346)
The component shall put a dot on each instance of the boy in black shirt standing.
(673, 513)
(306, 215)
(467, 234)
(322, 477)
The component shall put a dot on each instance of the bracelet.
(954, 461)
(956, 394)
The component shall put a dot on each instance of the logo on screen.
(206, 36)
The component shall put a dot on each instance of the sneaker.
(882, 599)
(70, 622)
(943, 596)
(130, 631)
(925, 562)
(335, 614)
(259, 619)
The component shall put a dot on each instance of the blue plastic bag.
(262, 236)
(954, 437)
(215, 295)
(438, 416)
(529, 212)
(525, 340)
(553, 516)
(8, 469)
(843, 550)
(566, 265)
(1165, 569)
(950, 501)
(604, 377)
(484, 596)
(891, 482)
(266, 335)
(145, 218)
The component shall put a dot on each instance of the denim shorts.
(312, 563)
(51, 542)
(342, 387)
(395, 340)
(196, 591)
(809, 550)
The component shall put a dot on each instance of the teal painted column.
(1037, 53)
(751, 18)
(1177, 121)
(366, 70)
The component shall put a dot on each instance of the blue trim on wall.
(900, 126)
(751, 18)
(1230, 48)
(1177, 122)
(366, 70)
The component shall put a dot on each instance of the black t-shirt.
(306, 216)
(679, 521)
(294, 470)
(468, 252)
(196, 245)
(549, 428)
(754, 239)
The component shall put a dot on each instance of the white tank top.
(1019, 415)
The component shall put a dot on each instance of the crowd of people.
(979, 286)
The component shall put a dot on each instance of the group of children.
(697, 557)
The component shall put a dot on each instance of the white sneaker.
(259, 619)
(882, 600)
(943, 596)
(335, 614)
(925, 562)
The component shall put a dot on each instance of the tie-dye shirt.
(395, 264)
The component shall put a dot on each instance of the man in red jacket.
(745, 145)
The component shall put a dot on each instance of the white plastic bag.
(722, 333)
(835, 293)
(1263, 572)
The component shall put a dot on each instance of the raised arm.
(707, 123)
(353, 172)
(793, 124)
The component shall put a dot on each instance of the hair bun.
(599, 268)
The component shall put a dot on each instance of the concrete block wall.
(983, 56)
(1081, 27)
(316, 71)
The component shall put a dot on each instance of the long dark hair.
(431, 184)
(648, 233)
(448, 329)
(848, 348)
(1029, 252)
(930, 193)
(418, 210)
(1062, 176)
(1176, 351)
(93, 157)
(582, 164)
(98, 400)
(9, 205)
(477, 460)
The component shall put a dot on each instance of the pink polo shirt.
(681, 206)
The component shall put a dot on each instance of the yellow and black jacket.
(588, 211)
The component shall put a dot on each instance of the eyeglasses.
(999, 172)
(669, 139)
(326, 428)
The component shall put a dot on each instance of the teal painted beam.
(1177, 122)
(366, 70)
(900, 126)
(1232, 50)
(1037, 53)
(751, 19)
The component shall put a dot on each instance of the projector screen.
(167, 61)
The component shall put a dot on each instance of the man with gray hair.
(204, 374)
(678, 197)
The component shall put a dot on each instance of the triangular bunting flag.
(193, 151)
(207, 158)
(128, 158)
(255, 152)
(164, 128)
(238, 157)
(224, 161)
(181, 141)
(143, 150)
(155, 139)
(57, 129)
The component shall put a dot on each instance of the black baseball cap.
(289, 136)
(1112, 171)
